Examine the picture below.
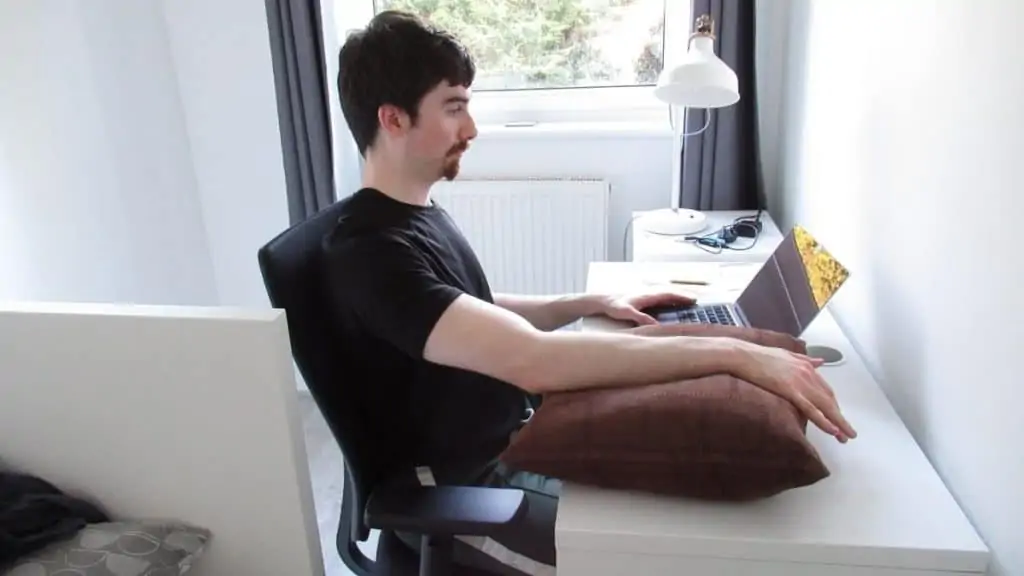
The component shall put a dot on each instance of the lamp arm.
(672, 121)
(677, 152)
(707, 122)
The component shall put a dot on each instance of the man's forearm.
(549, 313)
(573, 360)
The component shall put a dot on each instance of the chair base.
(396, 558)
(436, 555)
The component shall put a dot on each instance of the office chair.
(295, 282)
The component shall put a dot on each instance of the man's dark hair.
(395, 60)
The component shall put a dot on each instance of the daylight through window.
(545, 44)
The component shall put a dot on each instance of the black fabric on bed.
(34, 513)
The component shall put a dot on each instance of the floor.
(326, 473)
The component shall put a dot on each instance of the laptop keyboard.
(708, 314)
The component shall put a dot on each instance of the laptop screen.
(793, 286)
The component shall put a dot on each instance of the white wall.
(901, 151)
(222, 60)
(140, 158)
(97, 194)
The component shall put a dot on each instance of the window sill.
(546, 130)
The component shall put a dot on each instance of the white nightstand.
(653, 248)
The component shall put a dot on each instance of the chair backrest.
(295, 279)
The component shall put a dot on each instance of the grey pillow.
(125, 548)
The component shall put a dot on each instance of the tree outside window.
(545, 44)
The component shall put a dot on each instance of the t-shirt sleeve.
(391, 288)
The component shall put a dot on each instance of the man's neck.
(393, 182)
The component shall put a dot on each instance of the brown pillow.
(714, 438)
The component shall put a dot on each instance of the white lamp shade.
(702, 80)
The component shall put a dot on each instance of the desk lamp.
(701, 80)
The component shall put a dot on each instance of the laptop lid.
(793, 286)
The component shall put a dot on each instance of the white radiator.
(531, 236)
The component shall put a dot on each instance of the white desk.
(883, 511)
(649, 247)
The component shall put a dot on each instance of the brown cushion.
(718, 437)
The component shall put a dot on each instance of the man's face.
(442, 132)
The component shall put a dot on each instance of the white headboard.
(183, 413)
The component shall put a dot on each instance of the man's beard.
(450, 168)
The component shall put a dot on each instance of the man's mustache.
(461, 147)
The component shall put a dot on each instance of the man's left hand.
(630, 308)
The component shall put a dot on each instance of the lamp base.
(673, 222)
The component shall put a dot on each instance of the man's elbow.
(529, 368)
(520, 362)
(481, 338)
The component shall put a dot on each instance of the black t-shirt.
(394, 269)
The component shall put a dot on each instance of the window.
(543, 44)
(553, 60)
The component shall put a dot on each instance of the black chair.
(295, 282)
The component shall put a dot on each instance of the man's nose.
(470, 130)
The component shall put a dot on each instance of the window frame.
(632, 104)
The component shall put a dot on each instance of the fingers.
(816, 416)
(839, 420)
(641, 318)
(828, 389)
(815, 361)
(679, 298)
(830, 406)
(816, 399)
(664, 299)
(822, 398)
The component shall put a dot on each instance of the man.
(449, 367)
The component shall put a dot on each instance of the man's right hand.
(794, 377)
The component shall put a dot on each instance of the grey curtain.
(303, 106)
(721, 168)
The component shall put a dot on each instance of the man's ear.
(393, 119)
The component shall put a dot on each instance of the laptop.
(785, 296)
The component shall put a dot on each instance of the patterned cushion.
(127, 548)
(715, 438)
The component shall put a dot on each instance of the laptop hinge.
(740, 316)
